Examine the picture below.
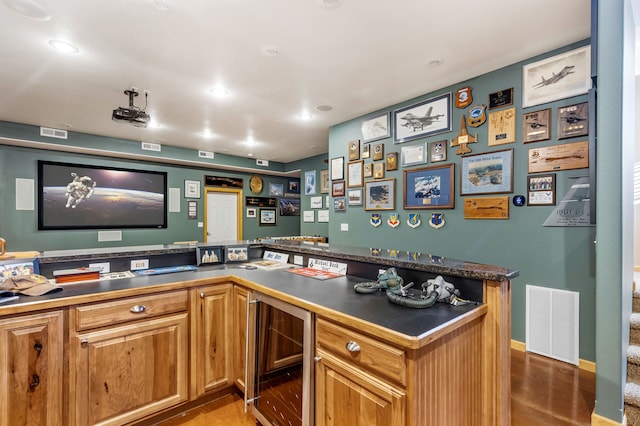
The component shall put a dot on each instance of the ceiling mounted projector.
(132, 115)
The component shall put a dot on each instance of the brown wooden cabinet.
(211, 338)
(136, 368)
(31, 365)
(240, 295)
(353, 379)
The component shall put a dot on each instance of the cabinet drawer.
(366, 352)
(129, 309)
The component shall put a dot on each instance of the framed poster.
(355, 175)
(309, 216)
(541, 190)
(337, 168)
(289, 206)
(536, 126)
(310, 182)
(324, 181)
(323, 216)
(380, 194)
(339, 204)
(429, 187)
(354, 197)
(337, 188)
(487, 173)
(268, 217)
(413, 155)
(567, 156)
(573, 121)
(422, 119)
(191, 189)
(315, 202)
(276, 189)
(501, 98)
(252, 213)
(558, 77)
(376, 127)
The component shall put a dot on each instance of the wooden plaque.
(559, 157)
(486, 208)
(502, 127)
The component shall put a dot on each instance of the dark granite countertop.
(334, 295)
(423, 262)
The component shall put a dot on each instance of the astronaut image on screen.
(78, 190)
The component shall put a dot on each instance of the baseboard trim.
(589, 366)
(597, 420)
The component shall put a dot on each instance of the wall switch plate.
(138, 264)
(105, 267)
(344, 227)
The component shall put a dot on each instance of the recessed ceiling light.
(160, 5)
(29, 8)
(330, 3)
(305, 116)
(269, 50)
(324, 108)
(219, 92)
(63, 46)
(207, 133)
(249, 155)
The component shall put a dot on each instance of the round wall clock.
(255, 184)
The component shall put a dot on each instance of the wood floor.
(544, 392)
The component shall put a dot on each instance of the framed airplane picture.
(422, 119)
(558, 77)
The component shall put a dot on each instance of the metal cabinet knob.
(353, 347)
(317, 358)
(84, 343)
(202, 295)
(138, 309)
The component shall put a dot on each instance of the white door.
(223, 221)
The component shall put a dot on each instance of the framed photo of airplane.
(562, 76)
(375, 127)
(573, 121)
(422, 119)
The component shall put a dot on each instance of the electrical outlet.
(105, 267)
(138, 264)
(344, 227)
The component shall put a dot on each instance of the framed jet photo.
(573, 121)
(536, 126)
(561, 76)
(422, 119)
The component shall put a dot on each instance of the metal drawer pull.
(353, 347)
(138, 309)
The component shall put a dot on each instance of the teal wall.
(317, 163)
(19, 228)
(561, 258)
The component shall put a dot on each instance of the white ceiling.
(353, 55)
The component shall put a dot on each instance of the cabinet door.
(124, 373)
(31, 370)
(240, 296)
(348, 396)
(211, 338)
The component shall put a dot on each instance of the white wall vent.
(53, 133)
(148, 146)
(206, 154)
(262, 162)
(553, 320)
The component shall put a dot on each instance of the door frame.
(238, 192)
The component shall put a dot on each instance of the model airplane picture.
(535, 124)
(573, 118)
(556, 77)
(419, 123)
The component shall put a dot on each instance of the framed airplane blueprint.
(558, 77)
(422, 119)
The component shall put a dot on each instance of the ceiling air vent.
(53, 133)
(148, 146)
